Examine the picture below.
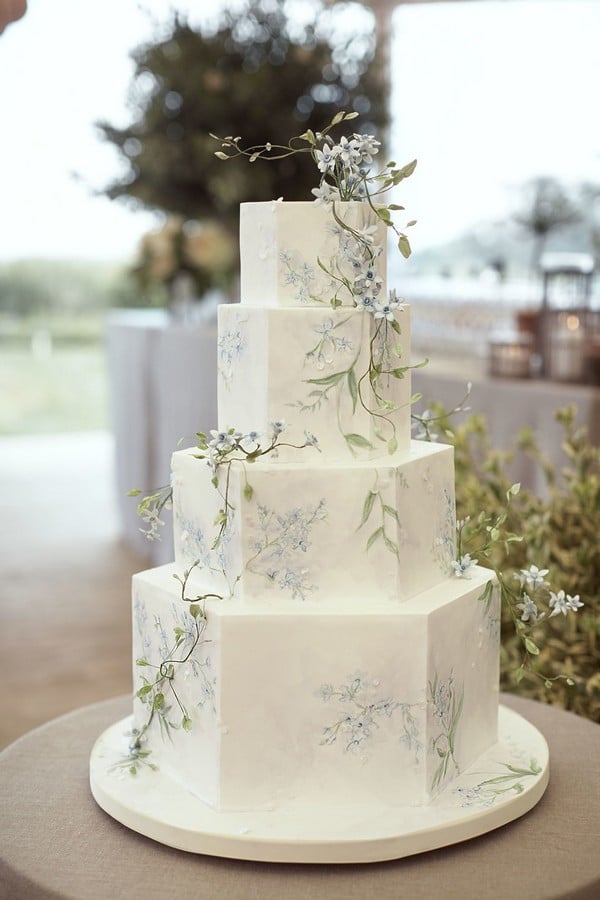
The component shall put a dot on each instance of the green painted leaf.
(248, 491)
(391, 545)
(367, 507)
(376, 534)
(357, 440)
(353, 388)
(392, 445)
(142, 662)
(391, 512)
(329, 379)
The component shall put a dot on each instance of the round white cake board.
(504, 783)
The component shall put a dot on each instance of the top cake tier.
(299, 254)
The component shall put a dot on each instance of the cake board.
(502, 785)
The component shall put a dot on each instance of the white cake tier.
(310, 368)
(326, 705)
(285, 248)
(364, 531)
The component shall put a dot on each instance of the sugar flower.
(563, 603)
(463, 566)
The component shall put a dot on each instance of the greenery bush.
(560, 532)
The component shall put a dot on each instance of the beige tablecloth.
(56, 843)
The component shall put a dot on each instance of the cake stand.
(504, 783)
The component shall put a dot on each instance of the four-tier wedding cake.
(317, 647)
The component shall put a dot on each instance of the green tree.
(546, 207)
(260, 72)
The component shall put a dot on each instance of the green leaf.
(134, 492)
(353, 388)
(391, 545)
(367, 507)
(220, 155)
(248, 491)
(405, 172)
(339, 116)
(357, 440)
(404, 246)
(376, 534)
(531, 647)
(392, 445)
(195, 610)
(329, 379)
(159, 701)
(519, 674)
(143, 691)
(396, 326)
(186, 723)
(390, 511)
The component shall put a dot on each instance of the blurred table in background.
(163, 389)
(508, 405)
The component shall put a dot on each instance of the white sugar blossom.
(367, 146)
(150, 517)
(348, 152)
(365, 302)
(368, 280)
(463, 566)
(325, 158)
(533, 577)
(277, 427)
(325, 194)
(529, 611)
(221, 441)
(367, 234)
(384, 311)
(563, 603)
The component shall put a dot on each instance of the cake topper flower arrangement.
(345, 171)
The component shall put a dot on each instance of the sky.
(485, 95)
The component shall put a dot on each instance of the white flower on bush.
(533, 577)
(563, 603)
(463, 566)
(529, 611)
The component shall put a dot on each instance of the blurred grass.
(61, 387)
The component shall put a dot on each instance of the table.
(163, 389)
(508, 405)
(56, 843)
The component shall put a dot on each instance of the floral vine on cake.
(354, 278)
(364, 710)
(158, 692)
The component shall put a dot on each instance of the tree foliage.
(258, 72)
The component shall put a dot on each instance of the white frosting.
(281, 245)
(322, 706)
(301, 535)
(310, 368)
(344, 665)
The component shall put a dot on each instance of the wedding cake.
(315, 643)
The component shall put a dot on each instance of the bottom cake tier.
(252, 708)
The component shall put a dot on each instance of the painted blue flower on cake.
(231, 348)
(486, 793)
(302, 276)
(329, 344)
(364, 711)
(444, 545)
(281, 547)
(195, 548)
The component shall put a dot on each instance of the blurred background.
(118, 238)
